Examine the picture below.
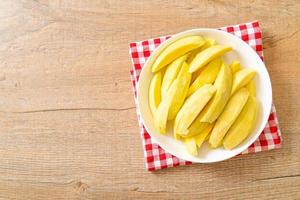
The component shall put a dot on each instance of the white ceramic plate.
(248, 59)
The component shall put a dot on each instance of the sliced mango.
(223, 84)
(193, 142)
(207, 55)
(177, 49)
(207, 137)
(176, 136)
(192, 107)
(171, 74)
(192, 55)
(228, 116)
(196, 74)
(200, 138)
(196, 127)
(209, 42)
(251, 88)
(191, 146)
(184, 79)
(243, 125)
(235, 66)
(241, 78)
(154, 92)
(161, 114)
(208, 75)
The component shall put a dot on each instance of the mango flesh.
(207, 137)
(177, 49)
(209, 42)
(192, 55)
(207, 55)
(191, 146)
(196, 74)
(207, 75)
(228, 116)
(235, 66)
(217, 103)
(184, 79)
(200, 138)
(154, 92)
(192, 107)
(176, 136)
(242, 78)
(243, 125)
(161, 114)
(171, 74)
(193, 142)
(196, 127)
(251, 88)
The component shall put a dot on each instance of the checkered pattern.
(156, 157)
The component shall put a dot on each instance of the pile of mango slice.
(204, 97)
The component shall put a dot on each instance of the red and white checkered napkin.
(158, 158)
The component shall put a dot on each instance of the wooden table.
(68, 128)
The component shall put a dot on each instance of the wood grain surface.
(68, 128)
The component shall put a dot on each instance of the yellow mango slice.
(251, 88)
(193, 54)
(176, 136)
(196, 74)
(177, 49)
(192, 107)
(200, 138)
(242, 126)
(184, 79)
(223, 84)
(154, 92)
(235, 66)
(208, 75)
(209, 42)
(196, 127)
(207, 55)
(241, 78)
(171, 74)
(161, 114)
(207, 137)
(228, 116)
(191, 146)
